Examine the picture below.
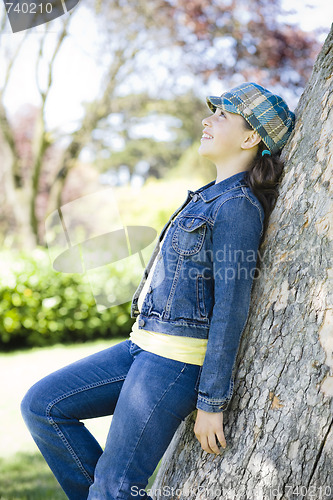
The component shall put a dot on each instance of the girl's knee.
(33, 404)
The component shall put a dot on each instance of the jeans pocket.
(196, 388)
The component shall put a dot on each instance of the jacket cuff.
(212, 405)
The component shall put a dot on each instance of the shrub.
(39, 306)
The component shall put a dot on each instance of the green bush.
(40, 307)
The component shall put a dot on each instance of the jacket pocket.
(201, 296)
(189, 235)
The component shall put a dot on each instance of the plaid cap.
(267, 113)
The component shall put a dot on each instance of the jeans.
(148, 396)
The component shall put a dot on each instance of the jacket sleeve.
(235, 238)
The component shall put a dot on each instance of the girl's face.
(223, 136)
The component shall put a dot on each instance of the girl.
(190, 308)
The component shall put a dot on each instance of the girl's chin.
(201, 149)
(203, 152)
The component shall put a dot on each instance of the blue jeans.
(148, 396)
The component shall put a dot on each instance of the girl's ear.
(252, 139)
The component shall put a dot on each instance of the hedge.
(41, 307)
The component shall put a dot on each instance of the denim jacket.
(203, 277)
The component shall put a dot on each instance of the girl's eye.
(220, 113)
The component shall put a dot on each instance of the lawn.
(24, 475)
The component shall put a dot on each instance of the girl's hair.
(263, 178)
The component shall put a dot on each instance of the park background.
(109, 99)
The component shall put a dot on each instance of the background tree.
(126, 31)
(181, 118)
(248, 37)
(146, 48)
(279, 424)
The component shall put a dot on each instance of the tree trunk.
(278, 426)
(17, 196)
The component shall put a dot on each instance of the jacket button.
(141, 322)
(195, 197)
(150, 289)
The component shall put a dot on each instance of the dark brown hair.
(263, 177)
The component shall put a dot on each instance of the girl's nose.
(205, 121)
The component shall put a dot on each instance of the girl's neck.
(227, 169)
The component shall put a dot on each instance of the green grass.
(27, 477)
(24, 474)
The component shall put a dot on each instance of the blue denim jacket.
(202, 281)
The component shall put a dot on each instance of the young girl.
(191, 307)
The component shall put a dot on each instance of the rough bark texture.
(279, 424)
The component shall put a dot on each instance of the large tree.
(278, 426)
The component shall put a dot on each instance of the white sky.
(76, 62)
(81, 73)
(311, 14)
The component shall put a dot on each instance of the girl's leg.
(157, 395)
(53, 407)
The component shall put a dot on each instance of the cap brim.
(221, 102)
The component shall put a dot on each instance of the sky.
(83, 72)
(311, 14)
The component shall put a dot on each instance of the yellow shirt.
(185, 349)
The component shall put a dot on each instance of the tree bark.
(278, 425)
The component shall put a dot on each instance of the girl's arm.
(236, 237)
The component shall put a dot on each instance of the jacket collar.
(212, 190)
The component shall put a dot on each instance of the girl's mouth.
(206, 136)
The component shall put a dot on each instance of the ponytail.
(263, 178)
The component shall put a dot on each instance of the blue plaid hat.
(267, 113)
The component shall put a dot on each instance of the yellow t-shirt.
(185, 349)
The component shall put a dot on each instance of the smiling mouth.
(206, 136)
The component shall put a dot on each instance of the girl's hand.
(207, 427)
